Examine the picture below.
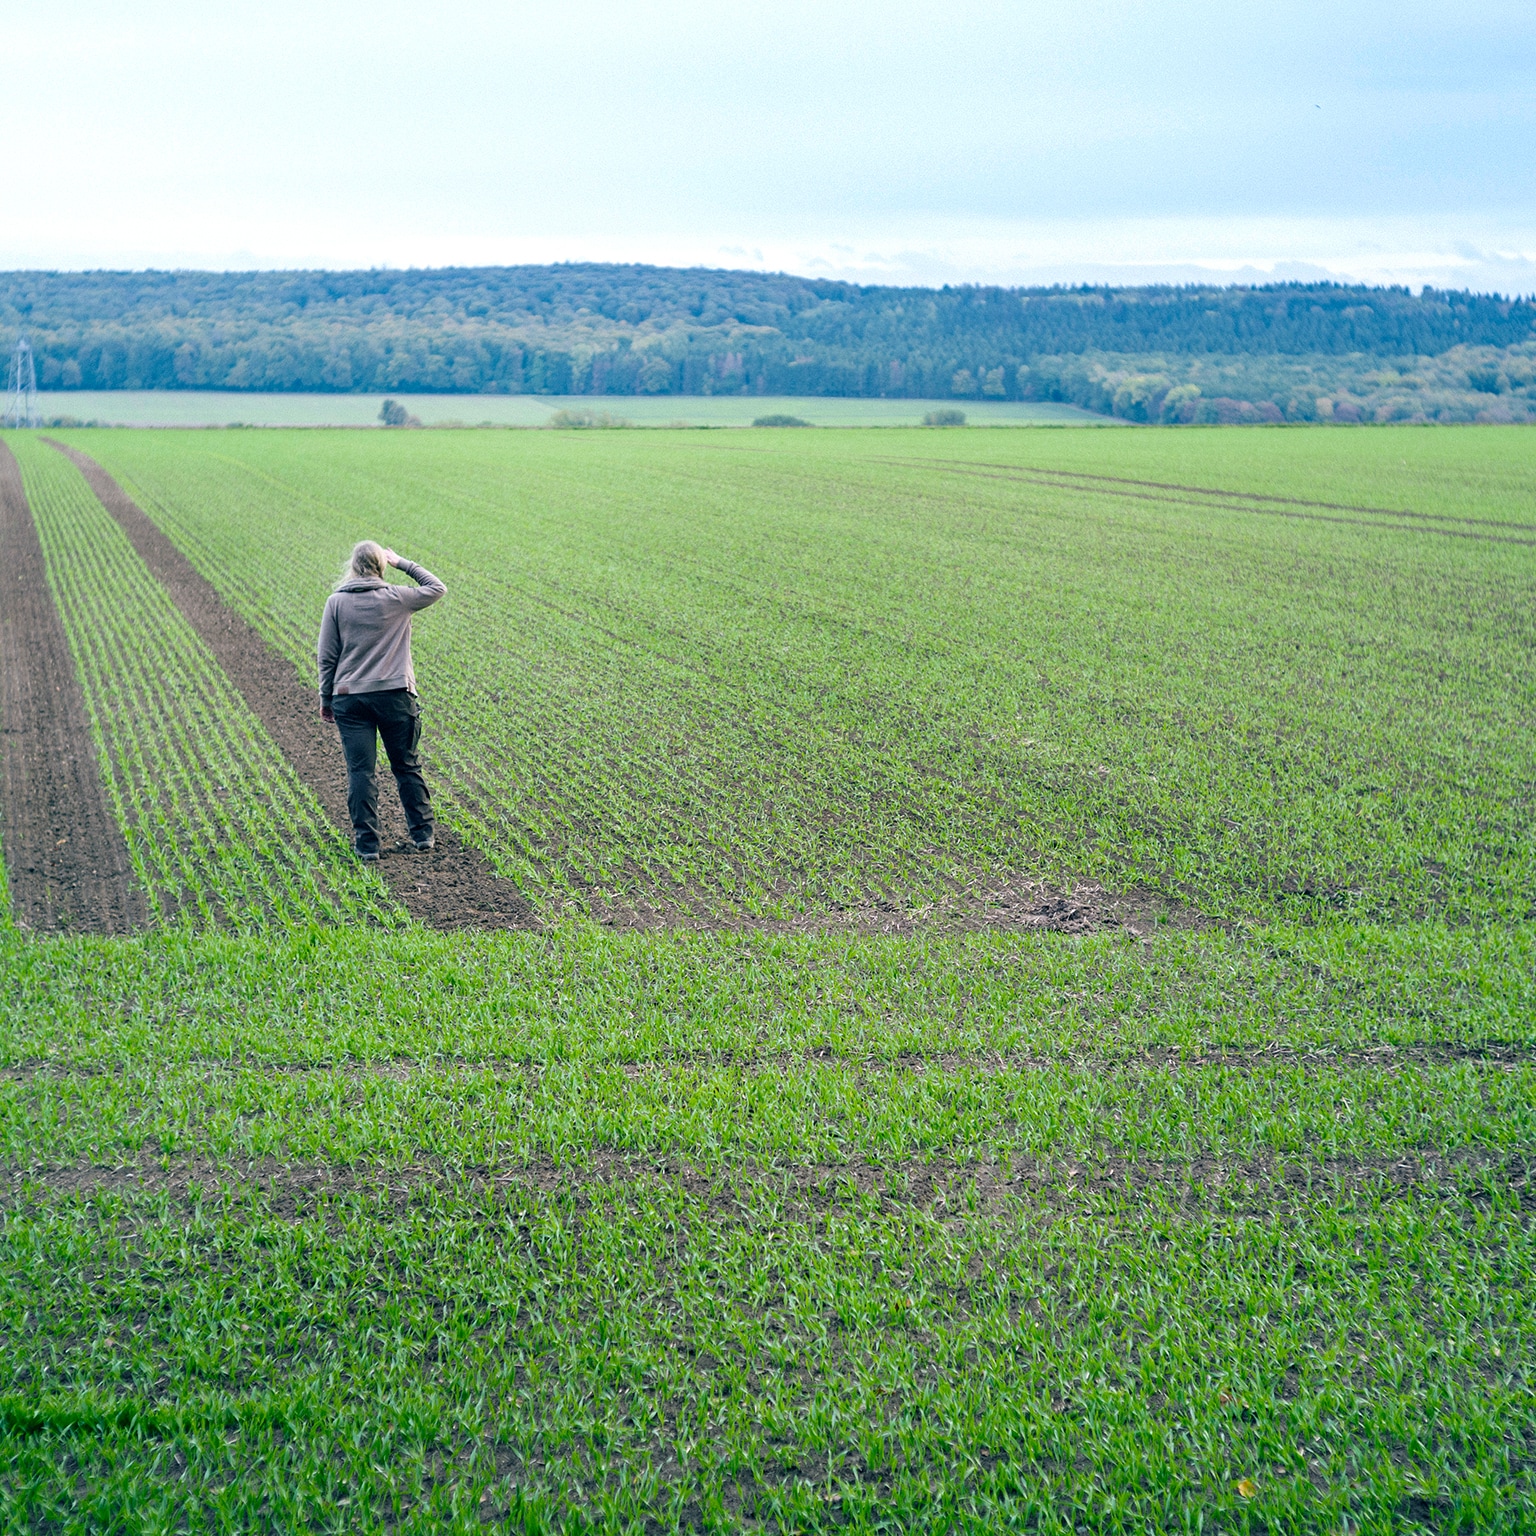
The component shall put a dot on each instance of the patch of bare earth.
(452, 887)
(66, 861)
(948, 1187)
(1019, 903)
(1386, 1059)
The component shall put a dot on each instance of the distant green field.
(752, 1218)
(212, 408)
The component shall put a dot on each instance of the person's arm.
(427, 590)
(327, 652)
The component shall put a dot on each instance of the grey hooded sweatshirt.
(365, 635)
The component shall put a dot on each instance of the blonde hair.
(366, 559)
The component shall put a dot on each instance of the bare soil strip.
(65, 856)
(1235, 501)
(1387, 1060)
(452, 887)
(990, 904)
(1269, 1184)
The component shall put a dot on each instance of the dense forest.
(1282, 352)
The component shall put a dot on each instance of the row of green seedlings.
(210, 504)
(1110, 1126)
(219, 830)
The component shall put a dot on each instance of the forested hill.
(593, 329)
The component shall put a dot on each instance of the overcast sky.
(990, 140)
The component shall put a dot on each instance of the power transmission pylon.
(22, 386)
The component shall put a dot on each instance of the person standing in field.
(368, 688)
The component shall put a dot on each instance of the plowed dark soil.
(452, 887)
(65, 857)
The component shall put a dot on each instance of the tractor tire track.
(1245, 496)
(65, 855)
(1266, 1185)
(1398, 521)
(454, 886)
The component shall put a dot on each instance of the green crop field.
(797, 1172)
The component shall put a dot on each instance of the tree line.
(625, 330)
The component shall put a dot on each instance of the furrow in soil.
(66, 859)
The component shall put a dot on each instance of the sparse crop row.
(219, 829)
(770, 679)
